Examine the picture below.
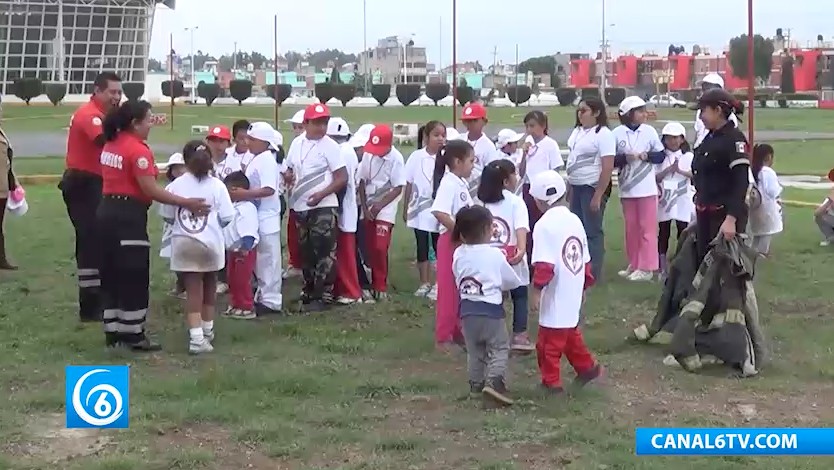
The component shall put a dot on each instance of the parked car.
(667, 101)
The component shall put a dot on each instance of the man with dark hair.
(81, 187)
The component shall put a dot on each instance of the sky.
(548, 27)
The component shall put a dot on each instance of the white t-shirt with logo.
(452, 196)
(482, 273)
(381, 175)
(232, 163)
(485, 153)
(349, 215)
(542, 156)
(636, 179)
(245, 157)
(559, 239)
(313, 163)
(509, 215)
(675, 190)
(587, 147)
(207, 229)
(263, 172)
(244, 224)
(419, 172)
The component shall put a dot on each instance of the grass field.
(362, 388)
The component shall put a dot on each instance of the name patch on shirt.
(112, 160)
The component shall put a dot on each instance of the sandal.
(241, 314)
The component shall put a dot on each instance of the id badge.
(669, 185)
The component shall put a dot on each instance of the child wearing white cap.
(673, 177)
(507, 143)
(561, 274)
(293, 250)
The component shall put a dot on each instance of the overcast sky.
(550, 26)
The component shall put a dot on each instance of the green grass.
(362, 388)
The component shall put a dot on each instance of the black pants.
(708, 224)
(81, 192)
(664, 233)
(423, 240)
(362, 256)
(125, 268)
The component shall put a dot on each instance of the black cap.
(715, 97)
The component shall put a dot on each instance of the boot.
(4, 263)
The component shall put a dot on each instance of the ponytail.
(121, 119)
(420, 132)
(760, 153)
(200, 163)
(455, 150)
(440, 164)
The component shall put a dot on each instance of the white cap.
(337, 127)
(362, 135)
(713, 78)
(507, 136)
(674, 129)
(452, 134)
(630, 103)
(176, 159)
(279, 138)
(263, 131)
(547, 186)
(297, 118)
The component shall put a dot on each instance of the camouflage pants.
(317, 243)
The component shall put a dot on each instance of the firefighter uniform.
(81, 190)
(125, 247)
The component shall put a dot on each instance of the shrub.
(324, 92)
(208, 92)
(279, 92)
(381, 93)
(343, 92)
(241, 90)
(519, 94)
(408, 93)
(566, 96)
(588, 92)
(56, 92)
(28, 89)
(173, 89)
(133, 90)
(437, 91)
(614, 96)
(465, 95)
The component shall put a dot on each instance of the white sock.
(208, 325)
(196, 335)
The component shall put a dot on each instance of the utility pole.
(234, 58)
(193, 72)
(494, 60)
(365, 55)
(604, 46)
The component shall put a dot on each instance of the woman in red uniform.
(129, 187)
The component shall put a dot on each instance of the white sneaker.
(222, 288)
(368, 297)
(432, 293)
(641, 276)
(825, 243)
(348, 301)
(381, 296)
(200, 348)
(625, 272)
(422, 290)
(208, 335)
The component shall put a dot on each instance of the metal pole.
(234, 58)
(454, 63)
(751, 76)
(515, 75)
(193, 69)
(61, 51)
(275, 71)
(405, 62)
(365, 45)
(171, 82)
(604, 73)
(440, 45)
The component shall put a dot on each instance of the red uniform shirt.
(122, 161)
(85, 127)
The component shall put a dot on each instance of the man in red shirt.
(81, 188)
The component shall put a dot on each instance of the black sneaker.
(146, 345)
(262, 310)
(497, 391)
(111, 340)
(476, 388)
(593, 374)
(315, 306)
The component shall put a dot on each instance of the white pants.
(268, 271)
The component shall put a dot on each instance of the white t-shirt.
(263, 172)
(482, 274)
(766, 216)
(587, 147)
(675, 191)
(559, 239)
(349, 215)
(419, 172)
(244, 224)
(207, 229)
(636, 179)
(484, 153)
(245, 157)
(701, 130)
(381, 175)
(232, 163)
(509, 215)
(452, 196)
(313, 163)
(542, 156)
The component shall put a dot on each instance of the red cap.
(380, 141)
(473, 111)
(220, 132)
(315, 111)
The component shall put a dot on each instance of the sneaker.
(200, 348)
(145, 345)
(521, 343)
(209, 335)
(591, 375)
(639, 276)
(625, 272)
(230, 311)
(368, 297)
(381, 296)
(825, 243)
(423, 290)
(432, 293)
(496, 390)
(222, 288)
(348, 301)
(476, 388)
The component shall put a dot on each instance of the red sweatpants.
(292, 242)
(552, 343)
(347, 276)
(239, 270)
(378, 240)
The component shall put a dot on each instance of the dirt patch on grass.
(227, 452)
(47, 440)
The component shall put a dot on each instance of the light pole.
(454, 63)
(191, 29)
(365, 56)
(751, 79)
(405, 55)
(604, 72)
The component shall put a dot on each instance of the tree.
(173, 89)
(535, 89)
(343, 92)
(465, 95)
(28, 88)
(155, 66)
(334, 76)
(134, 90)
(279, 92)
(408, 93)
(324, 92)
(437, 91)
(762, 56)
(358, 81)
(462, 83)
(56, 92)
(614, 96)
(519, 94)
(381, 93)
(787, 85)
(566, 96)
(208, 92)
(545, 64)
(241, 90)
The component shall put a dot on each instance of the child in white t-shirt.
(765, 201)
(674, 182)
(482, 274)
(174, 169)
(508, 145)
(510, 227)
(561, 273)
(197, 244)
(241, 237)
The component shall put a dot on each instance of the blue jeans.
(580, 204)
(519, 296)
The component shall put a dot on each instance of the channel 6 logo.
(97, 396)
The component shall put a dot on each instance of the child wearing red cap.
(475, 119)
(381, 182)
(218, 141)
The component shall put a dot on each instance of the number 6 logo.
(108, 406)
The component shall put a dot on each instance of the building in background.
(72, 41)
(395, 61)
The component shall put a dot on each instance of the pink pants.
(447, 320)
(640, 219)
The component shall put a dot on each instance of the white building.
(73, 40)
